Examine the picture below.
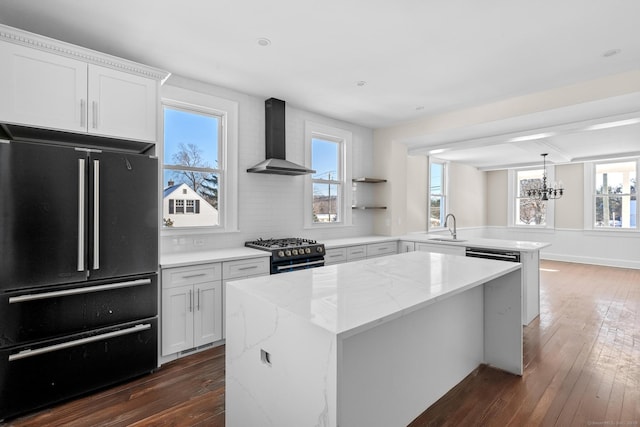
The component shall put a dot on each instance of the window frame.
(513, 198)
(200, 103)
(444, 192)
(590, 195)
(345, 139)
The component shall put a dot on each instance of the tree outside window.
(529, 211)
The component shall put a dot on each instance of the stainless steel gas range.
(290, 254)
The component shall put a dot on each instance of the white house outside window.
(328, 150)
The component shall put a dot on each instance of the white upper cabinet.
(51, 84)
(42, 89)
(121, 105)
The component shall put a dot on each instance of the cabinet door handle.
(190, 300)
(198, 306)
(248, 268)
(94, 108)
(189, 276)
(83, 113)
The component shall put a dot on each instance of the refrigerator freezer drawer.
(62, 310)
(50, 372)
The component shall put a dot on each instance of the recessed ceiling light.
(361, 83)
(611, 52)
(263, 41)
(420, 108)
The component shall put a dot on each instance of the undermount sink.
(446, 239)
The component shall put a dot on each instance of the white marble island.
(372, 342)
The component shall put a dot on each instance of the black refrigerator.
(78, 265)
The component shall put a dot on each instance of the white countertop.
(349, 298)
(512, 245)
(204, 257)
(231, 254)
(354, 241)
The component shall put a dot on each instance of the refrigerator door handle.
(30, 353)
(81, 214)
(76, 291)
(96, 214)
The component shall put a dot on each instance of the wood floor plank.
(581, 359)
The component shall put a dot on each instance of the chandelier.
(545, 192)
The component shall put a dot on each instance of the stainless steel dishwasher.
(499, 254)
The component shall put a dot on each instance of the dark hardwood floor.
(581, 356)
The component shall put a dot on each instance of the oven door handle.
(76, 291)
(30, 353)
(303, 264)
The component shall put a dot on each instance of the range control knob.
(307, 251)
(287, 253)
(295, 252)
(319, 249)
(280, 254)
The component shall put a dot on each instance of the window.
(437, 193)
(200, 162)
(524, 211)
(191, 158)
(179, 206)
(529, 211)
(327, 184)
(328, 149)
(614, 200)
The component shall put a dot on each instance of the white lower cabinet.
(335, 256)
(404, 246)
(440, 248)
(381, 249)
(191, 307)
(356, 252)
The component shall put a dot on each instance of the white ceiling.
(417, 57)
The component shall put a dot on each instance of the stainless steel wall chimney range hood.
(275, 142)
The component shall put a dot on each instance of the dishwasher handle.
(497, 254)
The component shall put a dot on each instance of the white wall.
(467, 195)
(417, 190)
(272, 205)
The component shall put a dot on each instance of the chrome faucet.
(454, 233)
